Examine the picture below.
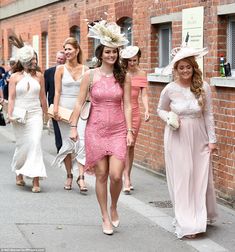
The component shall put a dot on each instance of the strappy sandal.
(84, 188)
(69, 187)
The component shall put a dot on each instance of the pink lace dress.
(105, 133)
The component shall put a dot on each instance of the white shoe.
(116, 223)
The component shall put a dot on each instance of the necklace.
(105, 74)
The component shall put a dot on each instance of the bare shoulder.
(60, 68)
(142, 73)
(15, 77)
(85, 67)
(39, 75)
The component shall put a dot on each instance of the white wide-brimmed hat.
(109, 34)
(183, 52)
(129, 52)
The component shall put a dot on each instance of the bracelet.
(131, 130)
(73, 126)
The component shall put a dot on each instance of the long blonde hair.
(197, 83)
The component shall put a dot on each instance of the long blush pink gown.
(187, 158)
(105, 133)
(137, 82)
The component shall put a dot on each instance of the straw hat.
(109, 34)
(129, 52)
(183, 52)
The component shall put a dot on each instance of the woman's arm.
(209, 117)
(42, 94)
(12, 94)
(128, 109)
(58, 78)
(164, 104)
(80, 100)
(144, 96)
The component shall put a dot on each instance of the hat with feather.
(25, 52)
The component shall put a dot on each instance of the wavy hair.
(119, 72)
(196, 86)
(74, 43)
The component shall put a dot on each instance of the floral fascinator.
(109, 34)
(182, 52)
(25, 52)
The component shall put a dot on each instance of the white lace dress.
(28, 159)
(69, 93)
(187, 158)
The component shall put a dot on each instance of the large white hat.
(129, 52)
(109, 34)
(25, 53)
(180, 53)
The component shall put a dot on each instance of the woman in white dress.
(26, 91)
(189, 140)
(67, 85)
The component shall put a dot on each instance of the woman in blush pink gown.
(108, 131)
(188, 145)
(130, 61)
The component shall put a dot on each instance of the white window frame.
(231, 42)
(161, 43)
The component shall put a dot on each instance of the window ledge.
(153, 77)
(223, 82)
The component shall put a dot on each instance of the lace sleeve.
(208, 114)
(163, 105)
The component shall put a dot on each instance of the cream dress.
(28, 159)
(187, 158)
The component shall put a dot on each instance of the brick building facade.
(46, 24)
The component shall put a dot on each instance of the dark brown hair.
(118, 72)
(74, 43)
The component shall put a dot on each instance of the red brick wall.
(57, 19)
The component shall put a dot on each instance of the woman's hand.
(146, 116)
(212, 147)
(57, 116)
(129, 138)
(74, 133)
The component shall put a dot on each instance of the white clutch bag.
(19, 115)
(173, 120)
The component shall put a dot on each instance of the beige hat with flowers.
(109, 34)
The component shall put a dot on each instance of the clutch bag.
(19, 115)
(64, 113)
(173, 120)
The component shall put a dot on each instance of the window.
(231, 42)
(164, 45)
(45, 50)
(75, 32)
(126, 28)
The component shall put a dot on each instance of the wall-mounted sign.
(192, 23)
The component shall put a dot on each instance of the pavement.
(56, 220)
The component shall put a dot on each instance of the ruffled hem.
(32, 174)
(69, 147)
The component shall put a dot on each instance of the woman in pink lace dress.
(188, 149)
(108, 131)
(130, 61)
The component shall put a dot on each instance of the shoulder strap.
(91, 78)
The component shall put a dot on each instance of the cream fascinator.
(109, 34)
(25, 52)
(182, 52)
(129, 52)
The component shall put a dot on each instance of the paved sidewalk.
(59, 220)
